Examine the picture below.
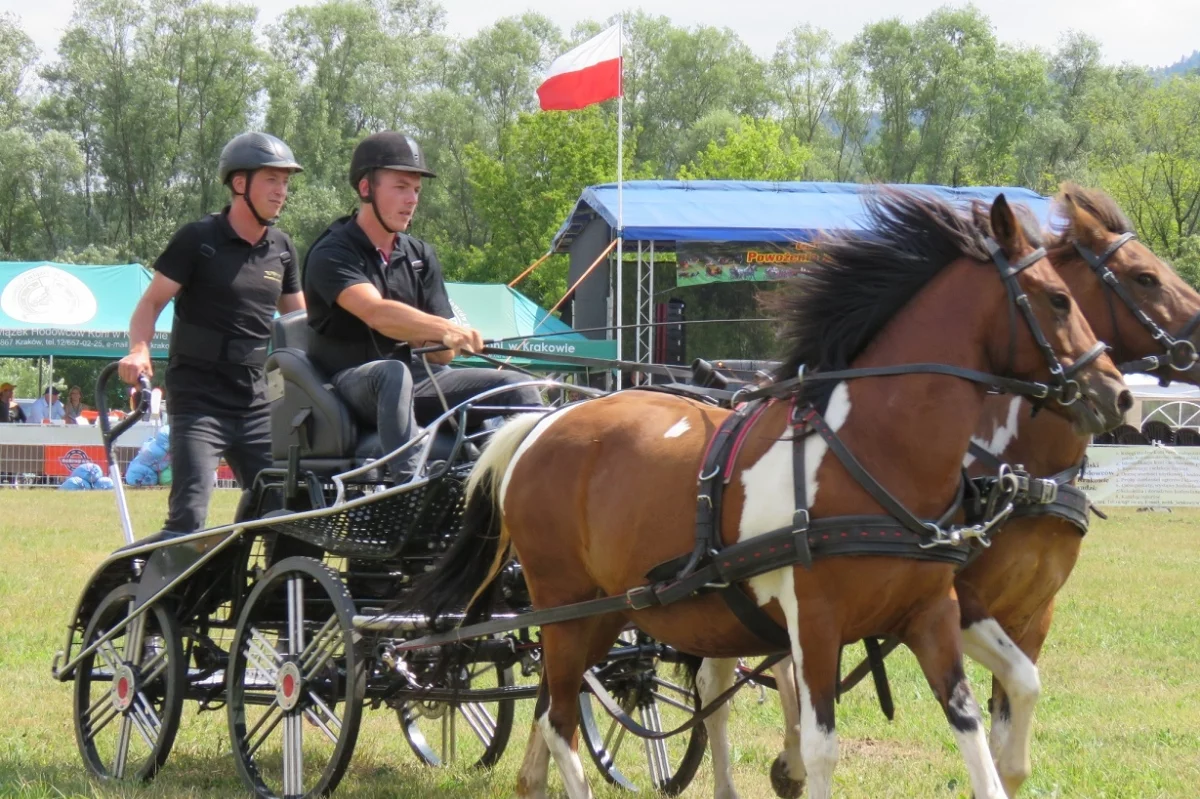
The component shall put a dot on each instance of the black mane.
(859, 281)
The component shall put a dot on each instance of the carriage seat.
(306, 410)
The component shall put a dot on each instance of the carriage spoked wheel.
(129, 692)
(474, 733)
(295, 682)
(651, 693)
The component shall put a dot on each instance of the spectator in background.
(46, 408)
(74, 407)
(10, 411)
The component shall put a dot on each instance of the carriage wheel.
(295, 682)
(650, 693)
(129, 692)
(442, 733)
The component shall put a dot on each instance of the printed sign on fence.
(61, 460)
(1143, 476)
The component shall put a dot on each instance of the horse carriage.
(323, 598)
(287, 616)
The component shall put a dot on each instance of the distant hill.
(1180, 67)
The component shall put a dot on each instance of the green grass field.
(1119, 717)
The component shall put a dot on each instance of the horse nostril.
(1125, 401)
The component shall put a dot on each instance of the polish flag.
(588, 74)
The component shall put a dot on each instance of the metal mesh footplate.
(380, 527)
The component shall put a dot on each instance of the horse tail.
(483, 546)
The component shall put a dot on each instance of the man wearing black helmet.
(228, 273)
(374, 293)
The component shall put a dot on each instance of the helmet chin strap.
(245, 195)
(370, 198)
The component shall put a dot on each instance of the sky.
(1146, 32)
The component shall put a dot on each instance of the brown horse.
(1007, 593)
(591, 497)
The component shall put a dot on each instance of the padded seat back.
(305, 410)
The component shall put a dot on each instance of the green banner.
(74, 343)
(722, 262)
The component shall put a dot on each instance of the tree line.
(109, 144)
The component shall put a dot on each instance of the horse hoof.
(784, 786)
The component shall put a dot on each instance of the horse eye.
(1060, 301)
(1147, 280)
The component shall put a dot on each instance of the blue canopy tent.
(667, 215)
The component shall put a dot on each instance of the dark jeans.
(382, 394)
(197, 444)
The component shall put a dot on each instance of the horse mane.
(858, 281)
(1097, 203)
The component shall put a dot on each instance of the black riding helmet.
(250, 152)
(386, 150)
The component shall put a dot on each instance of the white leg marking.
(567, 759)
(531, 780)
(818, 746)
(678, 429)
(793, 759)
(539, 430)
(987, 643)
(714, 678)
(1002, 436)
(985, 781)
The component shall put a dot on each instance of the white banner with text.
(1143, 476)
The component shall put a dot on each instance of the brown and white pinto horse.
(591, 497)
(1007, 593)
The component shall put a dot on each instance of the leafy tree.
(1148, 157)
(756, 149)
(17, 56)
(549, 158)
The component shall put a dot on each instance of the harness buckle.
(641, 597)
(1042, 491)
(800, 520)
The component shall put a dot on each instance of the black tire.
(432, 728)
(646, 690)
(295, 682)
(126, 733)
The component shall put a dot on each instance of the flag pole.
(620, 182)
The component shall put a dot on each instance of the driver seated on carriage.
(374, 293)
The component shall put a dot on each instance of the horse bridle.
(1062, 380)
(1178, 351)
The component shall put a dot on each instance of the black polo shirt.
(231, 287)
(343, 257)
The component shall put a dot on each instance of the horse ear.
(1005, 227)
(1082, 225)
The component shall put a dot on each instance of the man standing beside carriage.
(228, 273)
(375, 293)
